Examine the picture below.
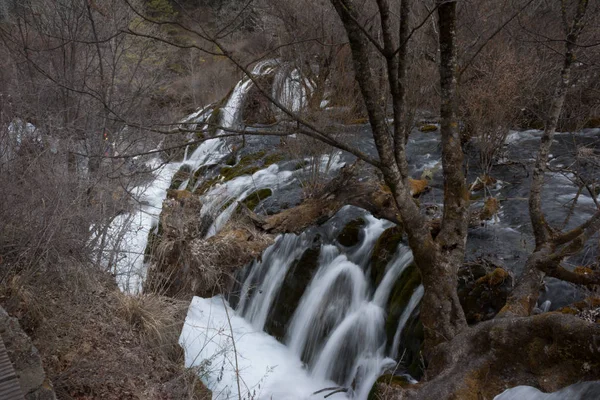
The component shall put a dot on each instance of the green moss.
(383, 251)
(273, 159)
(399, 298)
(428, 128)
(214, 120)
(229, 173)
(230, 160)
(227, 204)
(154, 236)
(197, 174)
(247, 165)
(252, 200)
(300, 165)
(350, 235)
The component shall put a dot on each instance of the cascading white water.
(127, 236)
(337, 289)
(337, 332)
(401, 260)
(371, 232)
(338, 327)
(270, 273)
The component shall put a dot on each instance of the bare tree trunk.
(441, 312)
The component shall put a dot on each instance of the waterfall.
(271, 271)
(336, 335)
(401, 260)
(338, 288)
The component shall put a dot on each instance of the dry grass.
(97, 343)
(158, 320)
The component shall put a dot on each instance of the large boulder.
(25, 359)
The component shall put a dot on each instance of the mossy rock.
(301, 164)
(230, 173)
(216, 115)
(350, 235)
(206, 185)
(180, 176)
(247, 165)
(399, 298)
(273, 158)
(482, 290)
(200, 172)
(154, 237)
(252, 200)
(412, 340)
(428, 128)
(383, 251)
(295, 283)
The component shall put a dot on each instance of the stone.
(26, 360)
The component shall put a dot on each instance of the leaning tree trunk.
(525, 295)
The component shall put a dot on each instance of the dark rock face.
(384, 250)
(296, 280)
(482, 290)
(412, 334)
(26, 360)
(350, 235)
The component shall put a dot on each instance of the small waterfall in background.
(127, 236)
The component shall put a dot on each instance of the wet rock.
(411, 340)
(25, 359)
(180, 176)
(350, 235)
